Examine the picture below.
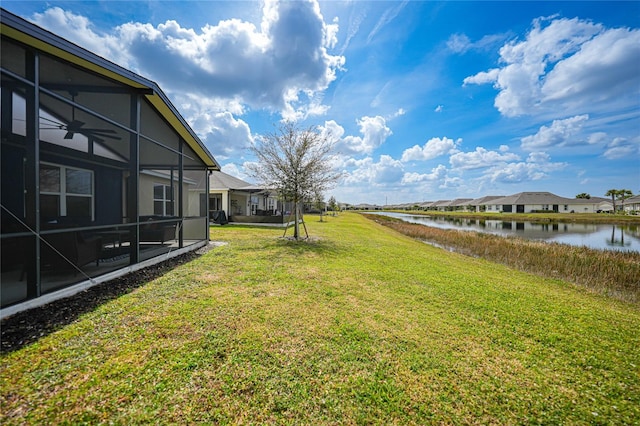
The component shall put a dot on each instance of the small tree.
(319, 204)
(332, 204)
(296, 162)
(584, 195)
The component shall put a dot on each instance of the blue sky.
(425, 100)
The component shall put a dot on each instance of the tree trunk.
(296, 226)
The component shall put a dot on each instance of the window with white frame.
(66, 191)
(162, 199)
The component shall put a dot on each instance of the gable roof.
(530, 198)
(460, 202)
(25, 32)
(221, 180)
(484, 200)
(592, 200)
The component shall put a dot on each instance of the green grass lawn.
(360, 325)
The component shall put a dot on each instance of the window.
(65, 191)
(162, 199)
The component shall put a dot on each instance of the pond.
(597, 236)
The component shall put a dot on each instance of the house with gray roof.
(480, 204)
(459, 204)
(244, 202)
(439, 205)
(528, 202)
(587, 205)
(632, 205)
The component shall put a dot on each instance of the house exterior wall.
(590, 207)
(568, 207)
(147, 183)
(632, 207)
(70, 217)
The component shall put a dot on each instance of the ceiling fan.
(76, 126)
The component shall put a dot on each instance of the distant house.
(459, 204)
(527, 202)
(365, 206)
(588, 205)
(632, 205)
(98, 170)
(440, 205)
(483, 203)
(244, 202)
(425, 205)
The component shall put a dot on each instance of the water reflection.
(598, 236)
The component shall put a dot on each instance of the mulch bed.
(28, 326)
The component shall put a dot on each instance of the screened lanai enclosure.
(100, 173)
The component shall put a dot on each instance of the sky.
(424, 100)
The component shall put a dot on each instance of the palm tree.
(584, 195)
(623, 194)
(613, 193)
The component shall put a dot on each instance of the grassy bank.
(610, 273)
(549, 217)
(360, 325)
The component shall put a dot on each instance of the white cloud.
(374, 130)
(611, 61)
(480, 158)
(537, 166)
(560, 133)
(566, 63)
(281, 66)
(80, 30)
(438, 173)
(331, 130)
(433, 148)
(461, 43)
(597, 138)
(439, 108)
(386, 171)
(483, 77)
(233, 170)
(224, 135)
(388, 16)
(622, 148)
(399, 113)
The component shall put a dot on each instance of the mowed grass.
(359, 325)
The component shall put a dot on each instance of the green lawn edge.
(357, 325)
(547, 217)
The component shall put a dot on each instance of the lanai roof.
(19, 29)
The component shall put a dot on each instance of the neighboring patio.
(243, 202)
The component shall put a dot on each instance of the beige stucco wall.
(146, 194)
